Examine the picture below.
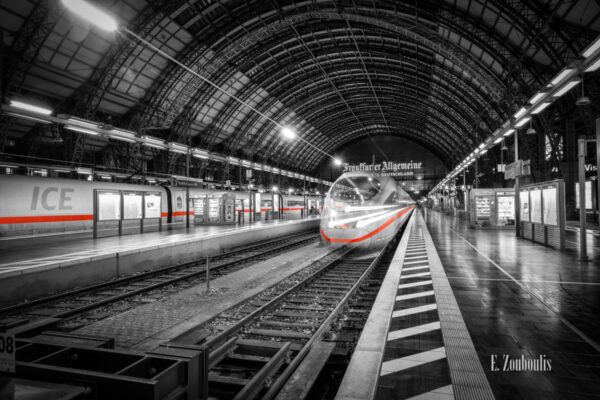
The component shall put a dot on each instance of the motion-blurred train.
(364, 210)
(32, 205)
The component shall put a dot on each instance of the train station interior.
(325, 199)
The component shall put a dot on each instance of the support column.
(581, 151)
(517, 189)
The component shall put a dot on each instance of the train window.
(179, 202)
(355, 189)
(295, 203)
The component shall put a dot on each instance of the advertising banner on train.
(152, 205)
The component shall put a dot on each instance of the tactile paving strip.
(468, 378)
(414, 361)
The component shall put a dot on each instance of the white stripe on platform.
(415, 262)
(415, 257)
(415, 268)
(415, 330)
(414, 360)
(443, 393)
(415, 295)
(413, 284)
(416, 252)
(415, 275)
(414, 310)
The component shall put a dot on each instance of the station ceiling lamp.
(288, 133)
(337, 161)
(30, 107)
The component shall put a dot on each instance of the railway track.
(76, 308)
(257, 346)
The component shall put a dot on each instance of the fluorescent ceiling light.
(568, 86)
(498, 140)
(520, 112)
(522, 122)
(122, 138)
(30, 107)
(84, 171)
(82, 130)
(539, 108)
(28, 117)
(536, 97)
(594, 66)
(122, 133)
(198, 153)
(82, 122)
(155, 145)
(591, 49)
(288, 133)
(481, 146)
(483, 151)
(337, 161)
(151, 139)
(561, 76)
(178, 148)
(91, 14)
(509, 132)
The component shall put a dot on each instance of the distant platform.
(33, 267)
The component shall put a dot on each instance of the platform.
(52, 263)
(529, 313)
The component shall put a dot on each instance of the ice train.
(32, 205)
(364, 210)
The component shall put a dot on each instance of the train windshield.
(355, 190)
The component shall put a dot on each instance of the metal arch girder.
(27, 45)
(272, 78)
(490, 44)
(316, 93)
(332, 115)
(326, 142)
(185, 100)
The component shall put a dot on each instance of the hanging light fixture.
(504, 146)
(583, 100)
(531, 130)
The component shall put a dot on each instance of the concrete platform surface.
(524, 302)
(86, 261)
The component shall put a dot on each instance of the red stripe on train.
(46, 218)
(368, 235)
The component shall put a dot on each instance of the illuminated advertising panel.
(536, 205)
(132, 206)
(550, 209)
(109, 206)
(524, 199)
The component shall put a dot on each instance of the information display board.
(524, 199)
(549, 197)
(588, 195)
(152, 205)
(536, 205)
(275, 202)
(505, 205)
(132, 206)
(109, 206)
(483, 206)
(199, 206)
(213, 209)
(256, 202)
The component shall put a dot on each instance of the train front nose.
(357, 237)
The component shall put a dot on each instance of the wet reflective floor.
(533, 312)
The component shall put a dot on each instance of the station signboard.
(7, 352)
